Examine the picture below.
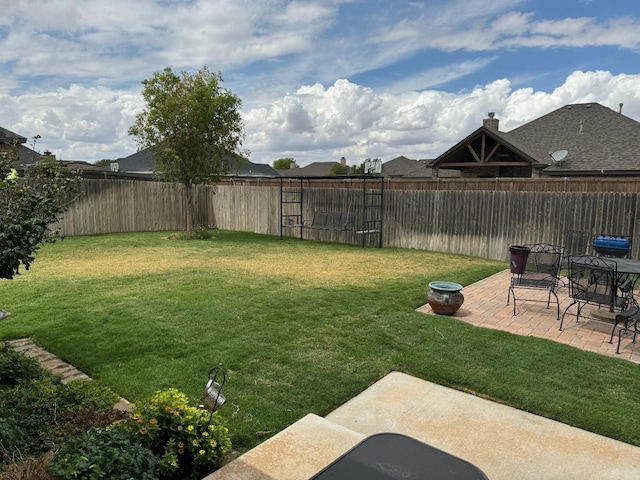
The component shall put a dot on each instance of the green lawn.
(299, 326)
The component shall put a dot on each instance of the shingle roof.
(315, 169)
(143, 162)
(596, 138)
(251, 169)
(139, 162)
(7, 136)
(26, 156)
(405, 167)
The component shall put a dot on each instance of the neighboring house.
(576, 140)
(250, 169)
(405, 167)
(398, 167)
(315, 169)
(139, 162)
(26, 155)
(143, 162)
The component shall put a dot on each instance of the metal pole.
(381, 208)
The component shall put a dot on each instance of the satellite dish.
(559, 155)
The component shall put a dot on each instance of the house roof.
(26, 156)
(315, 169)
(405, 167)
(143, 162)
(250, 169)
(460, 149)
(597, 139)
(7, 136)
(140, 162)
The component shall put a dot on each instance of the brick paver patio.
(485, 305)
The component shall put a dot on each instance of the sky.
(318, 79)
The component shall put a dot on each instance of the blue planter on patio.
(445, 298)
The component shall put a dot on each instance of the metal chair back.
(540, 272)
(593, 279)
(542, 267)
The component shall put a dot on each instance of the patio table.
(628, 267)
(385, 456)
(628, 274)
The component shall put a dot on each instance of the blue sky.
(319, 79)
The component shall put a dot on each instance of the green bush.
(15, 367)
(87, 393)
(189, 446)
(34, 407)
(48, 412)
(199, 233)
(12, 439)
(103, 453)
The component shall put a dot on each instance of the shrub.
(76, 422)
(12, 439)
(103, 453)
(202, 233)
(188, 444)
(15, 367)
(87, 393)
(199, 233)
(48, 412)
(34, 407)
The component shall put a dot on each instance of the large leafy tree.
(285, 163)
(30, 205)
(193, 126)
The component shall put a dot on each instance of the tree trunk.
(188, 195)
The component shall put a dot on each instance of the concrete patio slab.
(505, 443)
(296, 453)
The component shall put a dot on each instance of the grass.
(299, 326)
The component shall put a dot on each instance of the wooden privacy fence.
(500, 184)
(470, 222)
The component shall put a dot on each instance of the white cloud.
(316, 123)
(319, 78)
(77, 123)
(452, 29)
(129, 40)
(357, 122)
(440, 75)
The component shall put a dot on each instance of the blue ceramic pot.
(445, 298)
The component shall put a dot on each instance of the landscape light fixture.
(211, 398)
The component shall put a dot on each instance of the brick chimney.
(491, 122)
(343, 162)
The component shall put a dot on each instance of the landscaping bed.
(55, 431)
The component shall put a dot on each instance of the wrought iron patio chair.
(594, 280)
(540, 273)
(629, 318)
(576, 242)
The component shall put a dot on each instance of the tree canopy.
(193, 127)
(339, 169)
(285, 163)
(30, 205)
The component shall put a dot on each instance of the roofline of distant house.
(328, 177)
(592, 173)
